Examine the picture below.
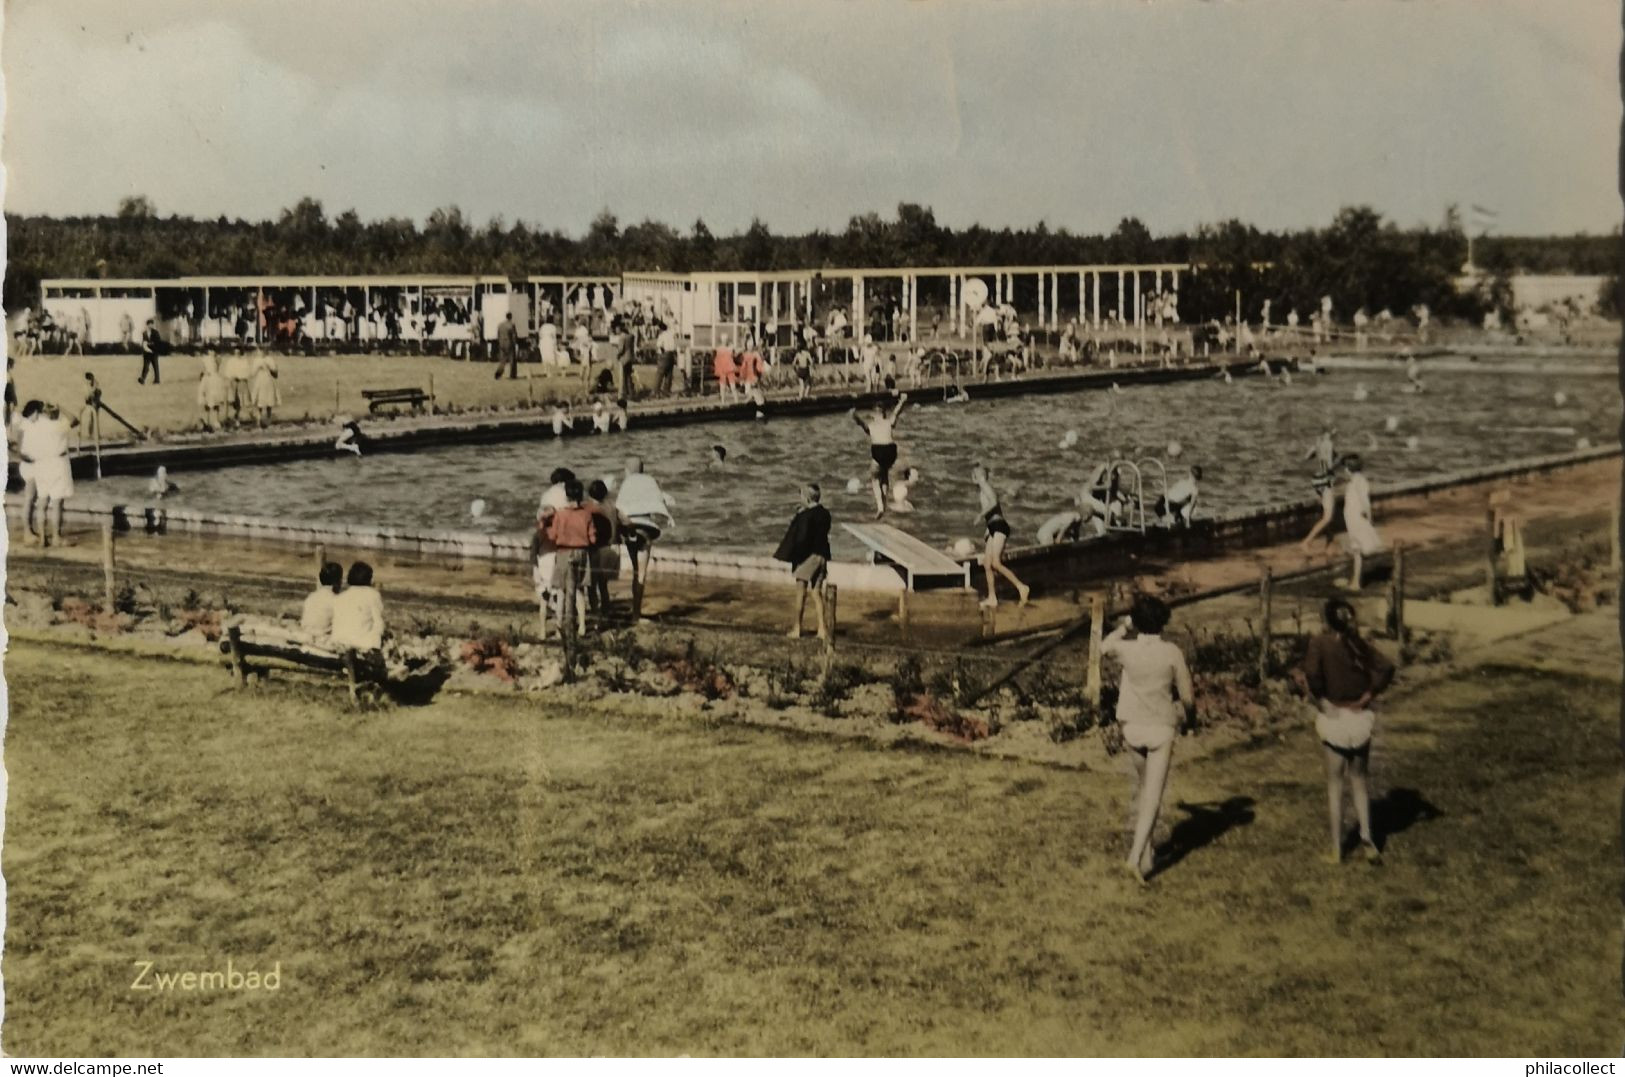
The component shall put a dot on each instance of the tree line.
(1359, 259)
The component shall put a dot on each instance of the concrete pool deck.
(1558, 501)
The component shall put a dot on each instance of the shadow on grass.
(1203, 824)
(419, 687)
(1398, 810)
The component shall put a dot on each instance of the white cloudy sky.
(803, 112)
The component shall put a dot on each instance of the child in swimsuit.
(882, 449)
(997, 530)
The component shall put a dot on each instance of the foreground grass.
(483, 876)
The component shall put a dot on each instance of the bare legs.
(1355, 767)
(1328, 504)
(51, 522)
(993, 563)
(1151, 781)
(32, 535)
(1357, 573)
(819, 609)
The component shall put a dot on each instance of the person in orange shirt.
(571, 530)
(726, 371)
(750, 369)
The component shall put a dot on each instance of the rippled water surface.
(1248, 437)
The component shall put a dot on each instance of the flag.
(1482, 217)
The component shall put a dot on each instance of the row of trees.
(1360, 259)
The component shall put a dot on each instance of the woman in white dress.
(211, 393)
(1362, 534)
(45, 446)
(264, 394)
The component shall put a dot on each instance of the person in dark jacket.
(508, 347)
(1343, 673)
(152, 346)
(806, 548)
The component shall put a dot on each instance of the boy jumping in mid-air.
(882, 448)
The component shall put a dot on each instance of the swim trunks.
(884, 456)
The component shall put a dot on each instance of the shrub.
(691, 673)
(834, 686)
(493, 655)
(932, 712)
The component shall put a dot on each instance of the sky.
(806, 112)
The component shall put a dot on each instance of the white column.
(1083, 304)
(1122, 291)
(913, 309)
(1040, 299)
(1094, 305)
(1054, 300)
(857, 308)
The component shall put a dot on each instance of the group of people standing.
(243, 381)
(580, 527)
(42, 437)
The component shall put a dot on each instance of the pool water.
(1248, 436)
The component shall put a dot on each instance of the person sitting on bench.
(316, 620)
(358, 613)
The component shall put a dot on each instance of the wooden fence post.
(234, 648)
(1097, 617)
(321, 556)
(1491, 571)
(1266, 588)
(902, 610)
(830, 612)
(1396, 595)
(109, 583)
(1613, 538)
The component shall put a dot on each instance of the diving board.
(890, 546)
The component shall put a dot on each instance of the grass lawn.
(483, 876)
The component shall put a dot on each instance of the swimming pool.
(1248, 436)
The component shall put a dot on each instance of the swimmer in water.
(159, 485)
(997, 530)
(882, 448)
(600, 418)
(561, 421)
(899, 490)
(718, 457)
(1413, 374)
(350, 439)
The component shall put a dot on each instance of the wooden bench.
(890, 546)
(359, 675)
(382, 398)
